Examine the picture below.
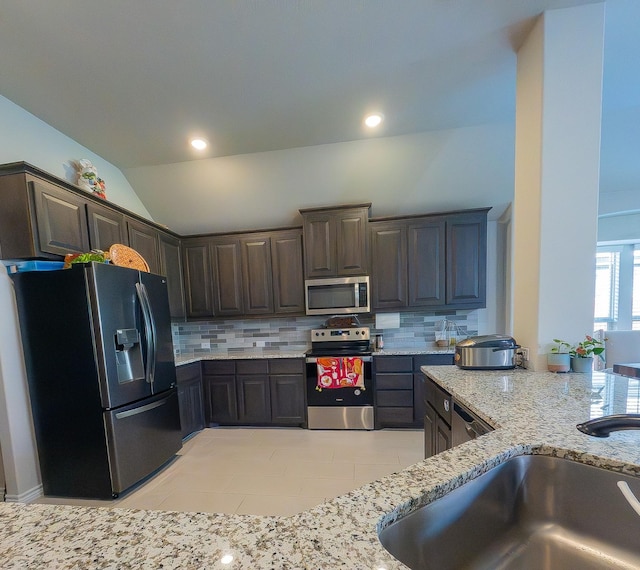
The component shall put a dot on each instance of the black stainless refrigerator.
(101, 373)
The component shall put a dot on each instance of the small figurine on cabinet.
(88, 178)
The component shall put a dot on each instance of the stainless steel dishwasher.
(465, 425)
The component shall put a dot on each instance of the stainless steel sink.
(531, 512)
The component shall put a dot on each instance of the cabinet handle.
(446, 405)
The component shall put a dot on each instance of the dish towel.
(340, 373)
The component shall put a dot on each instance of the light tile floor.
(268, 471)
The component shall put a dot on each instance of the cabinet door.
(254, 399)
(144, 239)
(257, 275)
(106, 227)
(227, 271)
(418, 398)
(467, 260)
(443, 436)
(388, 265)
(320, 245)
(220, 399)
(61, 220)
(191, 403)
(198, 284)
(351, 242)
(288, 273)
(171, 267)
(426, 263)
(287, 399)
(430, 417)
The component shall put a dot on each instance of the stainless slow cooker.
(487, 352)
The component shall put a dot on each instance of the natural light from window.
(617, 302)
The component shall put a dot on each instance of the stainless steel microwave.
(337, 296)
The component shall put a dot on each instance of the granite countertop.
(240, 354)
(533, 413)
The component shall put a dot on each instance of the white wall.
(411, 174)
(17, 439)
(24, 137)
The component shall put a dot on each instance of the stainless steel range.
(339, 378)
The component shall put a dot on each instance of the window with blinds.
(617, 302)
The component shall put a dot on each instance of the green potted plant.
(582, 354)
(559, 359)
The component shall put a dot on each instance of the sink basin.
(531, 512)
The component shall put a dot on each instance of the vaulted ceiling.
(133, 81)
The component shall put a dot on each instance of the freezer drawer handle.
(141, 410)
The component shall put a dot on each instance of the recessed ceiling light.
(373, 120)
(199, 144)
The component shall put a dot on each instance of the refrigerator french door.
(99, 358)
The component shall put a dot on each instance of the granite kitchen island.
(532, 413)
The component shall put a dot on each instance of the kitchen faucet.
(602, 427)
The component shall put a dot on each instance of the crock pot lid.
(489, 341)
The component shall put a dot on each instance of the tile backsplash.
(417, 330)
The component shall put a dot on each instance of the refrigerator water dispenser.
(128, 355)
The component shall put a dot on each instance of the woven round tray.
(125, 256)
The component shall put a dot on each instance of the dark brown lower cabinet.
(398, 385)
(254, 396)
(219, 380)
(287, 384)
(255, 392)
(394, 391)
(190, 398)
(437, 419)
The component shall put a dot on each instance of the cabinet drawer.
(394, 416)
(390, 398)
(286, 366)
(443, 404)
(188, 372)
(258, 366)
(218, 367)
(394, 381)
(394, 363)
(432, 360)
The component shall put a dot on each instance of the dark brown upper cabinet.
(272, 279)
(198, 278)
(106, 227)
(227, 276)
(467, 259)
(45, 216)
(429, 261)
(288, 274)
(336, 241)
(145, 239)
(388, 265)
(426, 262)
(171, 268)
(257, 274)
(61, 220)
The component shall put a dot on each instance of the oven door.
(348, 396)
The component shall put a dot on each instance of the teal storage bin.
(33, 265)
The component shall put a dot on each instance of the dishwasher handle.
(472, 425)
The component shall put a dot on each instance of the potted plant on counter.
(559, 359)
(582, 354)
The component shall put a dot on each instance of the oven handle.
(314, 359)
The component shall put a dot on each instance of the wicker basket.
(125, 256)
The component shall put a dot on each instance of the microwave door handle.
(356, 294)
